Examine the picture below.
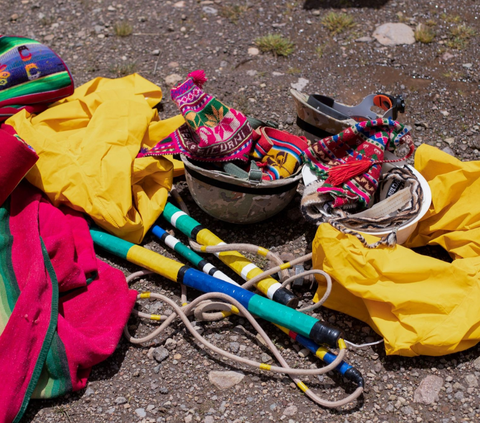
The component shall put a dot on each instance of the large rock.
(427, 392)
(391, 34)
(300, 84)
(225, 380)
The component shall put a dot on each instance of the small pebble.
(210, 10)
(234, 347)
(173, 79)
(290, 411)
(160, 354)
(140, 412)
(120, 400)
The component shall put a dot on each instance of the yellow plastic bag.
(87, 145)
(419, 304)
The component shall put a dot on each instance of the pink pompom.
(198, 77)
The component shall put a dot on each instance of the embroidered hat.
(31, 76)
(212, 131)
(348, 164)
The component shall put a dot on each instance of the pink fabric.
(16, 159)
(91, 321)
(23, 336)
(90, 317)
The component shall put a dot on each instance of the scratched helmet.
(32, 76)
(236, 199)
(320, 116)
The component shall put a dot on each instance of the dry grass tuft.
(424, 34)
(337, 23)
(233, 12)
(450, 18)
(124, 69)
(275, 44)
(320, 50)
(459, 36)
(122, 29)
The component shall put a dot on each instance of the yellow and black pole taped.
(154, 262)
(302, 386)
(271, 288)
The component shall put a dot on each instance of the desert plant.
(401, 17)
(122, 29)
(424, 34)
(47, 20)
(337, 22)
(233, 12)
(294, 71)
(276, 44)
(242, 104)
(123, 69)
(320, 50)
(450, 18)
(459, 36)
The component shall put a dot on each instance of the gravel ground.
(168, 380)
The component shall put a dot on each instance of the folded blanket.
(48, 341)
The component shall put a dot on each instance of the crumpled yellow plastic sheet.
(420, 305)
(87, 145)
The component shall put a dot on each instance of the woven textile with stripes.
(32, 76)
(279, 153)
(364, 142)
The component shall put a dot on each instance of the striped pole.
(190, 255)
(323, 354)
(233, 259)
(269, 310)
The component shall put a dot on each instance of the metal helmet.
(236, 200)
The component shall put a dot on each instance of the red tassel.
(261, 164)
(198, 77)
(337, 175)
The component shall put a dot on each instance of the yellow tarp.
(420, 305)
(87, 146)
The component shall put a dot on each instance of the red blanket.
(61, 310)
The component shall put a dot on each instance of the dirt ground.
(440, 83)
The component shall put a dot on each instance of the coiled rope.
(202, 306)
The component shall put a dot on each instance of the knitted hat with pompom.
(212, 132)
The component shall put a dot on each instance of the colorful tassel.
(337, 175)
(198, 77)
